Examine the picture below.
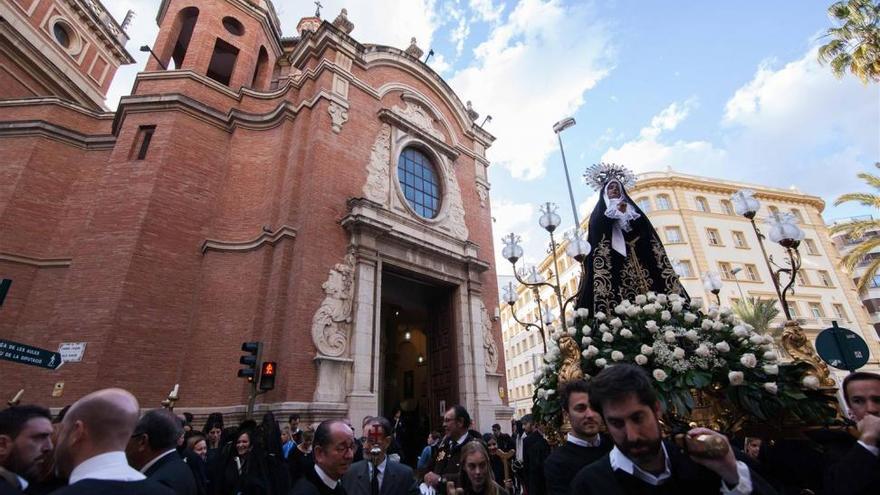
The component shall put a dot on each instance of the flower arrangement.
(686, 350)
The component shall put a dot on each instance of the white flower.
(771, 369)
(713, 313)
(632, 310)
(626, 333)
(641, 299)
(678, 353)
(718, 325)
(583, 312)
(542, 393)
(600, 315)
(748, 360)
(768, 339)
(619, 309)
(810, 382)
(740, 331)
(696, 303)
(586, 341)
(690, 317)
(647, 350)
(617, 356)
(771, 387)
(651, 326)
(756, 339)
(669, 336)
(586, 330)
(706, 324)
(592, 351)
(601, 362)
(770, 356)
(659, 375)
(665, 315)
(603, 328)
(569, 322)
(722, 346)
(702, 350)
(649, 309)
(692, 335)
(616, 323)
(572, 331)
(538, 378)
(662, 299)
(607, 337)
(674, 297)
(550, 392)
(736, 378)
(677, 307)
(641, 359)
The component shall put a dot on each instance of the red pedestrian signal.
(267, 375)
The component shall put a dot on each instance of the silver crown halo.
(599, 174)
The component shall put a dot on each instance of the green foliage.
(855, 40)
(757, 312)
(857, 229)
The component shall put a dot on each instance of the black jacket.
(107, 487)
(398, 479)
(565, 461)
(535, 451)
(856, 472)
(447, 459)
(310, 484)
(172, 472)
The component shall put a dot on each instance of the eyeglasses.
(343, 448)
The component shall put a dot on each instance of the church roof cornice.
(104, 26)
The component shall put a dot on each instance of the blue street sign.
(25, 354)
(842, 348)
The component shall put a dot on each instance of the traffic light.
(268, 370)
(250, 360)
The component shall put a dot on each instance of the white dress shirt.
(381, 468)
(108, 466)
(623, 463)
(584, 443)
(156, 459)
(330, 482)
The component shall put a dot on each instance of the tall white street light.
(558, 128)
(733, 273)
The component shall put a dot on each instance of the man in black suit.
(446, 464)
(641, 462)
(333, 449)
(25, 446)
(152, 450)
(377, 474)
(857, 471)
(504, 441)
(535, 451)
(91, 447)
(583, 444)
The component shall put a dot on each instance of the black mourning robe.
(610, 277)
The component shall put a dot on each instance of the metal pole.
(577, 223)
(772, 273)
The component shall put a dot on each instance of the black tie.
(374, 483)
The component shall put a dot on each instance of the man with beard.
(25, 446)
(446, 464)
(641, 462)
(333, 449)
(857, 471)
(91, 447)
(584, 444)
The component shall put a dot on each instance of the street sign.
(25, 354)
(72, 352)
(842, 348)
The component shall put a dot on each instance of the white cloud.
(668, 119)
(529, 73)
(518, 218)
(439, 64)
(486, 10)
(459, 34)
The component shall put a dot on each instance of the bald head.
(98, 423)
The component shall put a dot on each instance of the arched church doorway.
(418, 374)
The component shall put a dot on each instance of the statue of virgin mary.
(627, 257)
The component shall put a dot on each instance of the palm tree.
(758, 313)
(856, 229)
(855, 43)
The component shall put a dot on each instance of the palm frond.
(866, 199)
(861, 250)
(871, 179)
(856, 228)
(868, 275)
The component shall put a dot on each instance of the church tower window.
(420, 182)
(222, 62)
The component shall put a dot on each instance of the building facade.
(322, 196)
(871, 296)
(701, 232)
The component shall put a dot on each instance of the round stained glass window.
(420, 182)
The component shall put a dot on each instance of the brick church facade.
(325, 197)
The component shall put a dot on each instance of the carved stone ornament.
(376, 187)
(342, 22)
(331, 325)
(455, 213)
(418, 116)
(490, 350)
(338, 116)
(413, 50)
(482, 193)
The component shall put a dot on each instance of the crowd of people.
(102, 444)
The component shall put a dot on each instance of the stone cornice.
(270, 238)
(37, 262)
(393, 118)
(105, 27)
(695, 183)
(380, 222)
(58, 133)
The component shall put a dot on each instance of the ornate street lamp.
(785, 232)
(712, 283)
(531, 278)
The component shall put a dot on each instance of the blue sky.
(729, 90)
